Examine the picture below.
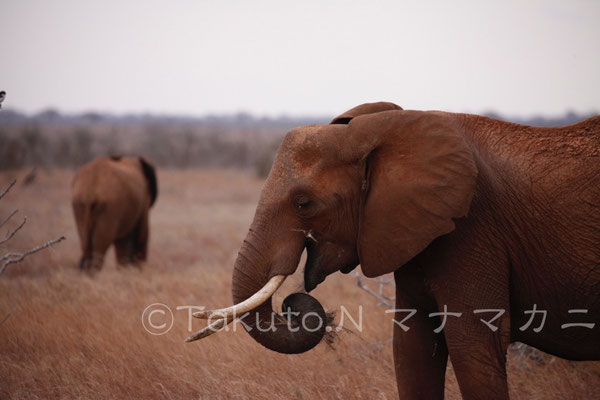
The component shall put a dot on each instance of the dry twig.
(10, 185)
(8, 218)
(382, 282)
(13, 258)
(9, 235)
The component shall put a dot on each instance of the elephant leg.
(420, 355)
(124, 249)
(478, 356)
(83, 231)
(86, 219)
(141, 238)
(132, 249)
(100, 242)
(478, 333)
(470, 282)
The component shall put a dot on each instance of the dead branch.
(383, 299)
(10, 185)
(8, 218)
(13, 258)
(9, 235)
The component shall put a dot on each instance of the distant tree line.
(568, 118)
(51, 139)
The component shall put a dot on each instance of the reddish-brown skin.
(111, 198)
(468, 212)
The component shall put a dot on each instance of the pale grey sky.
(300, 57)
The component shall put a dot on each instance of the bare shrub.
(13, 258)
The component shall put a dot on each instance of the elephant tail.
(150, 175)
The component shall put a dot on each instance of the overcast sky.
(300, 57)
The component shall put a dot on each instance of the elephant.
(111, 199)
(473, 216)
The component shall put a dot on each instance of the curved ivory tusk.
(249, 304)
(209, 330)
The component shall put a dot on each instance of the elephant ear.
(420, 174)
(367, 108)
(150, 175)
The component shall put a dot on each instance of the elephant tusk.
(209, 330)
(307, 234)
(311, 237)
(250, 303)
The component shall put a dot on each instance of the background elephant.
(111, 198)
(470, 213)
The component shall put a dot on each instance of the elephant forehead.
(303, 137)
(304, 147)
(293, 165)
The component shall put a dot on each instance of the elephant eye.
(303, 204)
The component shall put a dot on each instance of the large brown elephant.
(111, 198)
(473, 215)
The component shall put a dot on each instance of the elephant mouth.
(311, 279)
(313, 274)
(347, 269)
(318, 262)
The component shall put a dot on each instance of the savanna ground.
(68, 335)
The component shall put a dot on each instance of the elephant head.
(374, 187)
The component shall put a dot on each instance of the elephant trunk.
(303, 323)
(271, 252)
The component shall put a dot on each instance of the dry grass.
(71, 336)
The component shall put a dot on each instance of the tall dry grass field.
(67, 335)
